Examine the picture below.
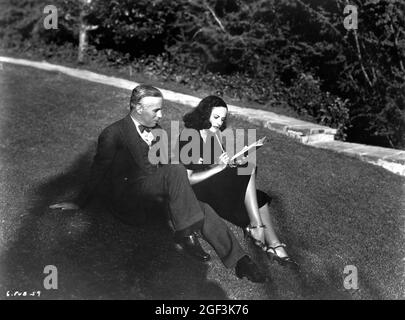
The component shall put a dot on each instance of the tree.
(84, 28)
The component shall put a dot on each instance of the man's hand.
(65, 206)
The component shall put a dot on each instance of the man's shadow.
(96, 255)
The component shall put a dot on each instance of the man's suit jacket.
(120, 162)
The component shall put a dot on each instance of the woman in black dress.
(234, 197)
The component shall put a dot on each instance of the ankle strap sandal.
(283, 261)
(249, 233)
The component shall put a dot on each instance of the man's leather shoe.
(192, 246)
(245, 267)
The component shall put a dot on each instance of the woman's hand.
(65, 206)
(241, 161)
(223, 160)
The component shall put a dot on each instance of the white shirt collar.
(146, 136)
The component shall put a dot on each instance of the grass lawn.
(331, 210)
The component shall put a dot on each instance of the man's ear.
(138, 108)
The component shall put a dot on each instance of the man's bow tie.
(142, 128)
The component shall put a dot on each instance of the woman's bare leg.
(270, 235)
(261, 216)
(253, 209)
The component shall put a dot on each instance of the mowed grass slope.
(331, 210)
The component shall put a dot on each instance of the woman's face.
(217, 118)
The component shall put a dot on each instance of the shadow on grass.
(96, 255)
(331, 211)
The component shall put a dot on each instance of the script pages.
(246, 149)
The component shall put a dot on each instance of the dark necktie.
(143, 128)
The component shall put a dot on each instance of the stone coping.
(306, 132)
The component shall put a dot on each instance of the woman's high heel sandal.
(284, 261)
(249, 232)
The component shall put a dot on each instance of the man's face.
(150, 111)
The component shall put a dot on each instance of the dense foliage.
(294, 53)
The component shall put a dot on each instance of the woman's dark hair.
(199, 117)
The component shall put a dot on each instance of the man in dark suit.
(122, 173)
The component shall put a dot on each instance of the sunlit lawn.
(332, 211)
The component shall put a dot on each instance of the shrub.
(306, 97)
